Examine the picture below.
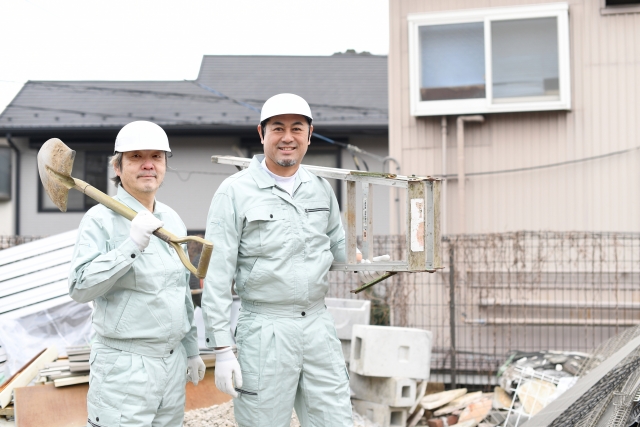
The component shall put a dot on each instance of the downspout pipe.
(461, 170)
(17, 201)
(443, 208)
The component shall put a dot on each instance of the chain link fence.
(526, 291)
(9, 241)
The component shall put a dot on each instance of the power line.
(550, 165)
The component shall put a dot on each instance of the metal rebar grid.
(526, 291)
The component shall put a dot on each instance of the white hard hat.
(141, 135)
(285, 103)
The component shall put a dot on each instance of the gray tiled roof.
(343, 90)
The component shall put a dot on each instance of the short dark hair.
(263, 125)
(116, 160)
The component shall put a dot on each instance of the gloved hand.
(195, 369)
(227, 371)
(142, 227)
(370, 276)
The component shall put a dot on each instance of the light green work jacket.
(277, 248)
(142, 300)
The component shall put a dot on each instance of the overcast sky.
(165, 40)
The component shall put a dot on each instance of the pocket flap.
(265, 213)
(102, 417)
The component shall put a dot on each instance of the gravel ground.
(222, 416)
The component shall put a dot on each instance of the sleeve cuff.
(129, 250)
(218, 339)
(191, 348)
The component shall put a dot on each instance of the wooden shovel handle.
(161, 233)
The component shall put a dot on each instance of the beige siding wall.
(597, 195)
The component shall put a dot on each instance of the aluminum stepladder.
(422, 218)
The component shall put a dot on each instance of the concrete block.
(346, 313)
(384, 351)
(383, 415)
(397, 392)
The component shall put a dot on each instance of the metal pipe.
(553, 322)
(461, 181)
(17, 201)
(397, 199)
(443, 207)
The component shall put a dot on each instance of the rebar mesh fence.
(526, 291)
(9, 241)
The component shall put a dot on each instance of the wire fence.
(525, 291)
(9, 241)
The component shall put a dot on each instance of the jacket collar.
(134, 204)
(264, 180)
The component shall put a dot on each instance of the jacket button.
(133, 255)
(97, 419)
(171, 352)
(207, 339)
(303, 313)
(270, 215)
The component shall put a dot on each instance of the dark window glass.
(5, 173)
(622, 2)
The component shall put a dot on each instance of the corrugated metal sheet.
(597, 195)
(33, 276)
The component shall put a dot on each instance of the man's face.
(285, 140)
(142, 171)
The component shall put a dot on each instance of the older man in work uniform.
(146, 345)
(277, 230)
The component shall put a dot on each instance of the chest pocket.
(272, 225)
(317, 216)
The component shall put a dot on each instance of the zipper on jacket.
(317, 210)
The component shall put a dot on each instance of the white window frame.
(486, 105)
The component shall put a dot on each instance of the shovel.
(55, 162)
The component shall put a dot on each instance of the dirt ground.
(222, 416)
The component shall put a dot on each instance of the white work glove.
(142, 227)
(227, 371)
(195, 369)
(370, 276)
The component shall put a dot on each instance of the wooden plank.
(7, 412)
(26, 374)
(205, 394)
(62, 382)
(46, 405)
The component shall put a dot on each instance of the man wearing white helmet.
(276, 230)
(146, 346)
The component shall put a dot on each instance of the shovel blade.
(54, 155)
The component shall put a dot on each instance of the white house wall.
(597, 195)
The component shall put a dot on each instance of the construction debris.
(222, 416)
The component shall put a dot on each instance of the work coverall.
(278, 248)
(143, 318)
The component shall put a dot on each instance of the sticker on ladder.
(417, 225)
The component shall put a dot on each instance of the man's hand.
(370, 276)
(195, 369)
(142, 227)
(227, 371)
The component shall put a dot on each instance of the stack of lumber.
(458, 408)
(63, 372)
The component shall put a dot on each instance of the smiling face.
(142, 171)
(285, 140)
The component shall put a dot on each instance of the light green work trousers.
(128, 389)
(290, 359)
